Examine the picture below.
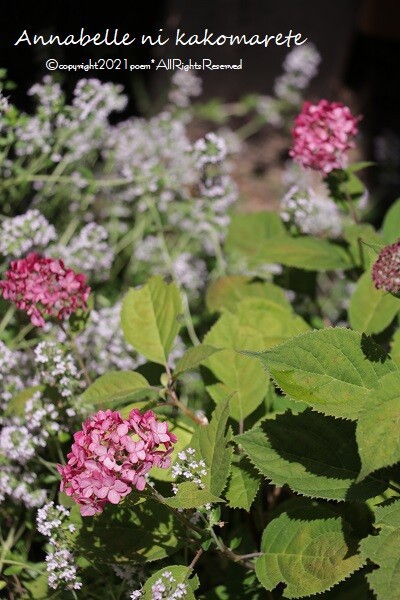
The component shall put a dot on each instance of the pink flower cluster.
(111, 455)
(44, 286)
(322, 135)
(386, 269)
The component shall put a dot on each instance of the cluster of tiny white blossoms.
(56, 368)
(14, 375)
(189, 469)
(165, 588)
(60, 564)
(103, 344)
(299, 68)
(312, 211)
(185, 85)
(88, 252)
(24, 233)
(21, 438)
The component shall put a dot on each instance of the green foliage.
(211, 445)
(391, 224)
(249, 232)
(307, 549)
(151, 318)
(227, 292)
(193, 358)
(180, 574)
(383, 550)
(243, 484)
(331, 370)
(136, 531)
(371, 310)
(190, 496)
(377, 428)
(117, 388)
(313, 454)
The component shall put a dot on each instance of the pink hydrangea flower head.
(44, 287)
(386, 269)
(322, 135)
(111, 455)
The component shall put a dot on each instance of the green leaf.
(210, 443)
(391, 224)
(146, 531)
(315, 455)
(150, 318)
(377, 428)
(180, 574)
(383, 550)
(227, 292)
(249, 232)
(243, 485)
(308, 253)
(193, 358)
(117, 388)
(395, 348)
(371, 310)
(361, 236)
(275, 323)
(309, 550)
(331, 370)
(189, 496)
(243, 379)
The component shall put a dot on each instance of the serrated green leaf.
(378, 427)
(211, 445)
(193, 358)
(383, 550)
(118, 387)
(243, 485)
(150, 319)
(331, 370)
(391, 224)
(227, 292)
(371, 310)
(308, 253)
(146, 531)
(315, 455)
(180, 574)
(189, 496)
(309, 550)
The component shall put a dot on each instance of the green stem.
(7, 318)
(225, 550)
(250, 128)
(24, 565)
(77, 354)
(157, 496)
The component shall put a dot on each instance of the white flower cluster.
(56, 368)
(312, 212)
(103, 344)
(132, 575)
(152, 155)
(87, 252)
(20, 485)
(299, 68)
(11, 378)
(189, 469)
(209, 150)
(21, 438)
(185, 85)
(24, 233)
(48, 95)
(60, 564)
(165, 588)
(96, 99)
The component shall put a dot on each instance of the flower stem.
(174, 400)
